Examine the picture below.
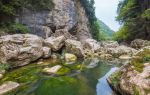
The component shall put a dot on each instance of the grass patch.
(115, 78)
(141, 58)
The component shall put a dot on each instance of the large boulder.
(91, 44)
(20, 49)
(121, 50)
(8, 86)
(55, 43)
(128, 81)
(134, 77)
(65, 33)
(109, 44)
(139, 43)
(74, 47)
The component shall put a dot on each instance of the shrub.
(17, 27)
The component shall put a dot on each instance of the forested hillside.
(105, 30)
(134, 15)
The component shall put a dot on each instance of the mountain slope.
(105, 30)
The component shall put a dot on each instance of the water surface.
(81, 78)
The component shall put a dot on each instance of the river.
(83, 78)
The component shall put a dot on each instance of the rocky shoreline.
(22, 49)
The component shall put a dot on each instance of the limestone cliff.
(66, 14)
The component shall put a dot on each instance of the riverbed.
(84, 77)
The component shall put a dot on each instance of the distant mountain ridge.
(105, 29)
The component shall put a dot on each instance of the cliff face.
(66, 14)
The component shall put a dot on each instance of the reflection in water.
(34, 82)
(103, 87)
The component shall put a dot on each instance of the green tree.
(88, 5)
(134, 15)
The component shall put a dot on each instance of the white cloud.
(106, 11)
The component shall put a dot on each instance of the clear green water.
(77, 79)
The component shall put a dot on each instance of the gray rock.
(66, 14)
(7, 87)
(109, 44)
(55, 43)
(91, 44)
(74, 47)
(52, 70)
(20, 49)
(139, 43)
(47, 52)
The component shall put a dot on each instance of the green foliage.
(13, 28)
(9, 7)
(4, 66)
(122, 34)
(146, 14)
(88, 5)
(115, 78)
(18, 27)
(105, 32)
(141, 58)
(134, 15)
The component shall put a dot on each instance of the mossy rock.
(63, 71)
(139, 60)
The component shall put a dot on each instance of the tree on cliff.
(134, 15)
(90, 12)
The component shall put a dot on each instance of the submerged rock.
(93, 63)
(52, 70)
(70, 57)
(8, 86)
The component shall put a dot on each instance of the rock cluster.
(21, 49)
(133, 78)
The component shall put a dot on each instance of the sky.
(106, 11)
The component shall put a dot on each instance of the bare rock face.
(66, 14)
(139, 43)
(74, 47)
(55, 43)
(20, 49)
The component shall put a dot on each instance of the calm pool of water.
(84, 78)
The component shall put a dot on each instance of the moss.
(115, 78)
(4, 66)
(23, 74)
(147, 91)
(141, 58)
(58, 86)
(63, 71)
(135, 90)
